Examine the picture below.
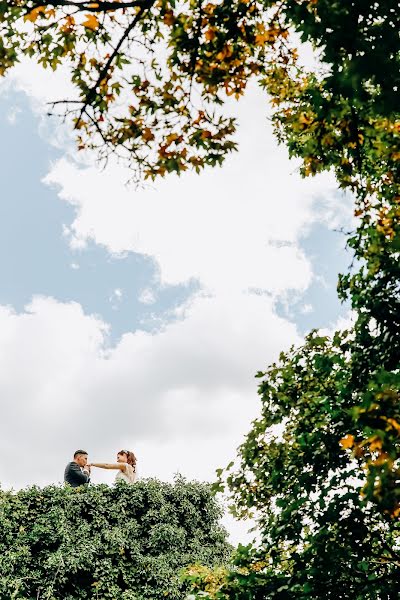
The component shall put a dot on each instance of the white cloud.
(12, 115)
(221, 228)
(41, 85)
(181, 398)
(116, 298)
(306, 309)
(147, 296)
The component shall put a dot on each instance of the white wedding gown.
(128, 476)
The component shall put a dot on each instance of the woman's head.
(126, 456)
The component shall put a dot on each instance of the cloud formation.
(232, 228)
(182, 396)
(189, 385)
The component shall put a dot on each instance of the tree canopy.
(151, 76)
(320, 468)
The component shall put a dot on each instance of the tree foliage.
(151, 76)
(125, 542)
(300, 473)
(148, 73)
(320, 469)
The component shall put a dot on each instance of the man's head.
(81, 457)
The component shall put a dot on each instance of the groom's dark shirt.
(74, 475)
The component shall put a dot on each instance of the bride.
(125, 465)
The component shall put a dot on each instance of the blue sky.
(319, 305)
(36, 258)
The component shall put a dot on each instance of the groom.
(77, 472)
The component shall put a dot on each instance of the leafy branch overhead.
(151, 76)
(147, 74)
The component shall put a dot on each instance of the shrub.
(99, 542)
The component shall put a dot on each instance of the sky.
(137, 318)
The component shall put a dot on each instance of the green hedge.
(99, 542)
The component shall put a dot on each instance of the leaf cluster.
(150, 74)
(298, 475)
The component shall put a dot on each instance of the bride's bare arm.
(116, 466)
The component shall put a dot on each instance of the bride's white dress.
(128, 476)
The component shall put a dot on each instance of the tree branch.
(146, 5)
(100, 6)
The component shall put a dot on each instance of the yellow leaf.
(35, 13)
(172, 137)
(395, 512)
(68, 25)
(394, 424)
(383, 459)
(199, 118)
(375, 443)
(147, 134)
(261, 38)
(347, 441)
(305, 119)
(91, 22)
(328, 139)
(210, 34)
(226, 52)
(265, 35)
(358, 451)
(169, 18)
(209, 8)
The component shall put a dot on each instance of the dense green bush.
(121, 543)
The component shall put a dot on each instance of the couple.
(77, 472)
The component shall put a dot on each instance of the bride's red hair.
(131, 458)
